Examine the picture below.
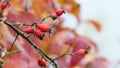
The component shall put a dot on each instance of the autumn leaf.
(21, 17)
(100, 62)
(80, 43)
(96, 24)
(71, 7)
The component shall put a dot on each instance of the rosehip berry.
(42, 63)
(29, 30)
(54, 16)
(38, 33)
(59, 12)
(80, 52)
(41, 37)
(43, 27)
(4, 4)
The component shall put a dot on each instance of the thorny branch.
(43, 54)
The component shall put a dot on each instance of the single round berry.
(80, 52)
(59, 12)
(29, 30)
(43, 27)
(38, 33)
(42, 62)
(4, 4)
(54, 16)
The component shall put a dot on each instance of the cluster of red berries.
(57, 13)
(39, 32)
(42, 28)
(4, 4)
(42, 62)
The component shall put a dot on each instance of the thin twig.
(17, 25)
(9, 53)
(13, 42)
(43, 54)
(62, 56)
(45, 19)
(14, 52)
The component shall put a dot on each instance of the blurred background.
(86, 24)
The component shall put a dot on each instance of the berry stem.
(43, 54)
(62, 56)
(45, 19)
(17, 25)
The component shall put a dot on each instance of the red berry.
(59, 12)
(29, 30)
(38, 33)
(54, 16)
(80, 52)
(42, 63)
(4, 4)
(43, 27)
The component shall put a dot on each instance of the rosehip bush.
(32, 29)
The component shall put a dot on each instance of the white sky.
(107, 12)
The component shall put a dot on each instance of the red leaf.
(98, 63)
(80, 43)
(21, 17)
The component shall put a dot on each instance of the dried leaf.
(96, 24)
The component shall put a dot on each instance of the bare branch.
(13, 42)
(43, 54)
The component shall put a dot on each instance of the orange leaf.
(96, 24)
(70, 6)
(42, 7)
